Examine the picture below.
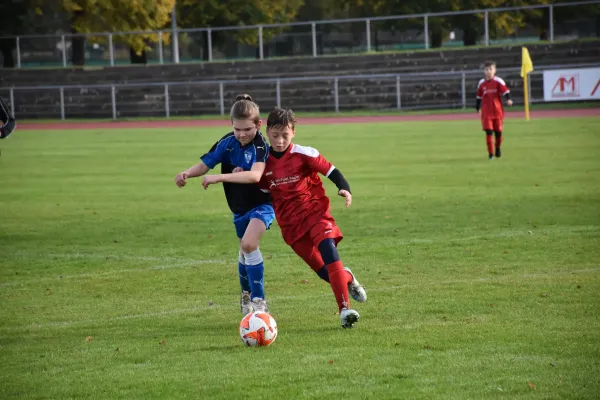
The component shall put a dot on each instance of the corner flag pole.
(526, 68)
(526, 96)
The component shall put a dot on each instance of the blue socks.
(330, 255)
(244, 283)
(255, 271)
(324, 273)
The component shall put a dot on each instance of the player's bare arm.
(192, 172)
(252, 176)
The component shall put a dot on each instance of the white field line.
(191, 263)
(275, 299)
(180, 262)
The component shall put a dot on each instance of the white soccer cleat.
(260, 305)
(348, 317)
(246, 303)
(356, 290)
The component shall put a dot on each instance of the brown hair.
(245, 108)
(281, 117)
(489, 64)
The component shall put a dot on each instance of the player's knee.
(328, 251)
(248, 245)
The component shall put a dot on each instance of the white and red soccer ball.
(258, 329)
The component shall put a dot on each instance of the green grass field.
(483, 276)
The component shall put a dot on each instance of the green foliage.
(211, 13)
(114, 15)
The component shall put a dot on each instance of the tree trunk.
(205, 45)
(320, 42)
(437, 36)
(138, 59)
(376, 37)
(77, 44)
(544, 24)
(6, 47)
(470, 36)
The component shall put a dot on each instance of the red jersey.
(491, 92)
(297, 191)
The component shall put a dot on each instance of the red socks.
(489, 139)
(339, 279)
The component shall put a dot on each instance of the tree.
(472, 25)
(213, 13)
(13, 12)
(90, 16)
(577, 13)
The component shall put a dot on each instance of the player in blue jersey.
(244, 149)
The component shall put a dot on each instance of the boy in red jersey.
(302, 208)
(490, 91)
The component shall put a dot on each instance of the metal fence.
(324, 93)
(312, 38)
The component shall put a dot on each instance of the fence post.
(64, 50)
(160, 48)
(174, 36)
(336, 95)
(551, 22)
(167, 108)
(113, 96)
(486, 27)
(221, 98)
(314, 38)
(278, 93)
(368, 26)
(12, 101)
(260, 42)
(209, 40)
(426, 31)
(111, 50)
(463, 89)
(18, 52)
(62, 104)
(398, 93)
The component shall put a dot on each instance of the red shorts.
(491, 124)
(307, 247)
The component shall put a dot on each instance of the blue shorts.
(264, 212)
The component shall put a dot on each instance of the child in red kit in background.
(490, 92)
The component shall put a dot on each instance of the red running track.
(566, 113)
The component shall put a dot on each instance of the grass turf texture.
(482, 276)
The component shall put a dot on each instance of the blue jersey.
(230, 153)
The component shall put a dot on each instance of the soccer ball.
(258, 329)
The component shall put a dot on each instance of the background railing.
(324, 93)
(305, 38)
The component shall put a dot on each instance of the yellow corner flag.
(526, 68)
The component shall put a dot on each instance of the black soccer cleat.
(490, 156)
(498, 152)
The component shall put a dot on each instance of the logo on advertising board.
(566, 86)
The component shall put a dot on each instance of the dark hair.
(243, 97)
(245, 108)
(489, 64)
(281, 117)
